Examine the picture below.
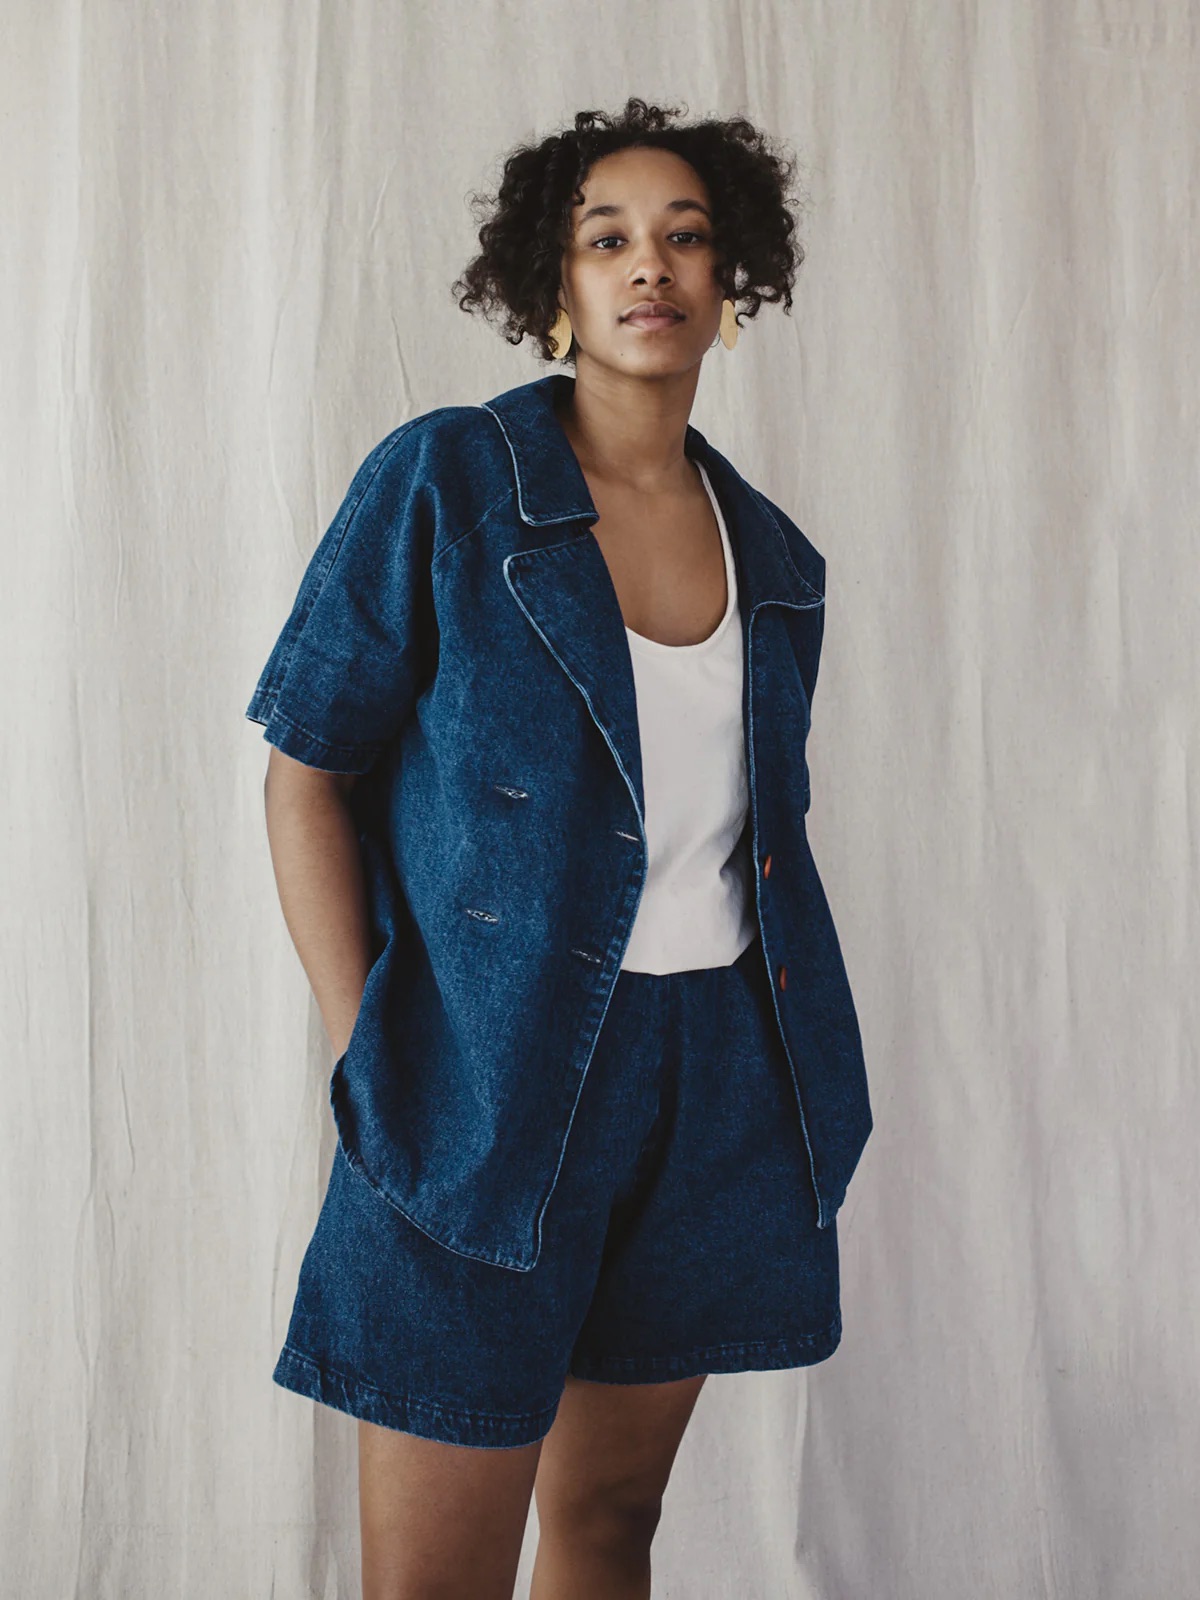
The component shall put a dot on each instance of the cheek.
(594, 296)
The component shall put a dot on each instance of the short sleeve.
(345, 672)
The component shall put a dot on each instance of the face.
(643, 232)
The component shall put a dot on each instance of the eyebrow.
(615, 211)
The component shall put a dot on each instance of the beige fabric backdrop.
(226, 276)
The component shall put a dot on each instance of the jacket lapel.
(566, 592)
(560, 579)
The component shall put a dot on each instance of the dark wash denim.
(457, 638)
(681, 1239)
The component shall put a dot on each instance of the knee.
(615, 1517)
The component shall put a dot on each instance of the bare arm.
(319, 876)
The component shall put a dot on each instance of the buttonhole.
(482, 916)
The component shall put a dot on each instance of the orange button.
(783, 977)
(767, 867)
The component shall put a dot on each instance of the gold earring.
(729, 327)
(560, 335)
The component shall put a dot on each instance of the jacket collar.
(562, 583)
(551, 488)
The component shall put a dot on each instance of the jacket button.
(783, 977)
(767, 867)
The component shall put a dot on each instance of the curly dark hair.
(515, 278)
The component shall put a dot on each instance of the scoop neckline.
(649, 646)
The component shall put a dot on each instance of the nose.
(651, 268)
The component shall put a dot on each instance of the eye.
(682, 233)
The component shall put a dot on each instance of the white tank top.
(697, 905)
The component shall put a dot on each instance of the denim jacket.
(457, 639)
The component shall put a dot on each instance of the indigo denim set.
(457, 639)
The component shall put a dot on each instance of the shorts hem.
(753, 1355)
(430, 1419)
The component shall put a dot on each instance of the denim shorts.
(680, 1238)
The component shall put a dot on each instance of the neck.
(631, 431)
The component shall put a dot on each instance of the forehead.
(639, 179)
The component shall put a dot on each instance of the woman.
(536, 805)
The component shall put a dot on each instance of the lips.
(654, 312)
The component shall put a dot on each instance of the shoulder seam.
(770, 509)
(386, 446)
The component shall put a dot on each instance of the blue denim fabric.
(681, 1238)
(457, 639)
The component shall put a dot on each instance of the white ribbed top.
(697, 906)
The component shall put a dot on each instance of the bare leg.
(600, 1481)
(440, 1521)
